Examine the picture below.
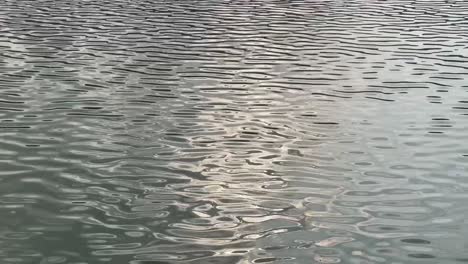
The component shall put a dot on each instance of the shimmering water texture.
(241, 131)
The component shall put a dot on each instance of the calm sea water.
(240, 131)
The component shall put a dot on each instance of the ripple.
(233, 132)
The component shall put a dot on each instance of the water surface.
(250, 131)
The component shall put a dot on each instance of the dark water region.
(241, 131)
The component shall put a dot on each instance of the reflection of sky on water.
(284, 132)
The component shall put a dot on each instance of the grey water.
(233, 131)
